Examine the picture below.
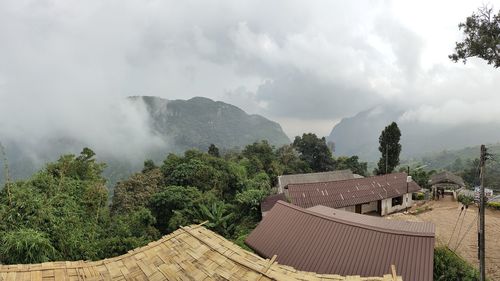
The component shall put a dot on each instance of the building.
(189, 253)
(445, 182)
(327, 240)
(285, 180)
(378, 194)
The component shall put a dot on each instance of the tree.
(213, 150)
(352, 163)
(470, 174)
(149, 165)
(136, 191)
(261, 156)
(390, 149)
(82, 167)
(289, 158)
(59, 210)
(314, 152)
(482, 37)
(420, 176)
(169, 199)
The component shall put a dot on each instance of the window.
(397, 201)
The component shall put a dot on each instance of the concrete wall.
(365, 208)
(350, 209)
(387, 207)
(370, 207)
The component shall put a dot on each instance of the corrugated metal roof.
(375, 222)
(446, 177)
(268, 202)
(189, 253)
(285, 180)
(339, 194)
(313, 242)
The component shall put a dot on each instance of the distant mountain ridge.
(199, 122)
(358, 135)
(446, 159)
(182, 124)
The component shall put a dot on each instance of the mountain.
(179, 124)
(454, 160)
(199, 122)
(358, 135)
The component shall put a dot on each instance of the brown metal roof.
(375, 222)
(446, 177)
(268, 202)
(339, 194)
(285, 180)
(313, 242)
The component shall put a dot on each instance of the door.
(379, 207)
(358, 209)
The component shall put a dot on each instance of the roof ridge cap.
(360, 225)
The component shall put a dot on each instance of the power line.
(455, 227)
(465, 234)
(461, 224)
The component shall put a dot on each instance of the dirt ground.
(445, 214)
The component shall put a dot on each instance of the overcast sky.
(305, 64)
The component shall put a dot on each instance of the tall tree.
(289, 158)
(390, 149)
(262, 158)
(481, 37)
(315, 152)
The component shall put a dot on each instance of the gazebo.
(445, 182)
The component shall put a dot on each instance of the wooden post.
(393, 271)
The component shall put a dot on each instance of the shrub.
(465, 199)
(494, 205)
(420, 196)
(448, 266)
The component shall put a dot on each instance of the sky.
(65, 65)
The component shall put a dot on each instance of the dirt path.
(445, 214)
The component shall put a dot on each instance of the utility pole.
(481, 230)
(408, 177)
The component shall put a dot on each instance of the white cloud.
(289, 60)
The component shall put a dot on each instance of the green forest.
(66, 212)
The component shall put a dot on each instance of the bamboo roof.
(189, 253)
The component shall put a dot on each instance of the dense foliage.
(390, 148)
(61, 213)
(64, 211)
(448, 266)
